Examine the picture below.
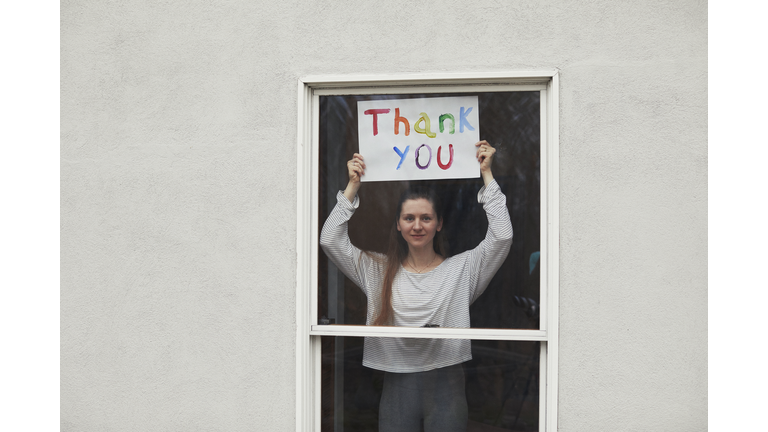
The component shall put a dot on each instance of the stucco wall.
(178, 214)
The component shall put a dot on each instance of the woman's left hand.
(485, 154)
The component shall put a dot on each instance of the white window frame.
(308, 332)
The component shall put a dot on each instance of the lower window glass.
(497, 390)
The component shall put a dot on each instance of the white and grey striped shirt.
(439, 297)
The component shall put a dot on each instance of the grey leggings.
(431, 401)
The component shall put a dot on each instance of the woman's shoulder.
(375, 258)
(457, 259)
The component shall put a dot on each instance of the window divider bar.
(429, 333)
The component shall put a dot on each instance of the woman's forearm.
(487, 177)
(351, 190)
(356, 168)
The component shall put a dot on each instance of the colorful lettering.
(424, 130)
(375, 113)
(418, 165)
(399, 120)
(463, 120)
(450, 161)
(442, 127)
(402, 155)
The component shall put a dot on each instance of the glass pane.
(510, 121)
(497, 390)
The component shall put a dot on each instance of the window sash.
(308, 330)
(315, 229)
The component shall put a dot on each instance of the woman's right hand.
(356, 169)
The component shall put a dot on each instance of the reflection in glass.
(510, 121)
(501, 385)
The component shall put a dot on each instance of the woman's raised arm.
(490, 254)
(334, 238)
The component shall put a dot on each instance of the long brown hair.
(397, 249)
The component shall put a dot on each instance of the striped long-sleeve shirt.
(439, 297)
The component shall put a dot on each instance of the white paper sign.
(419, 139)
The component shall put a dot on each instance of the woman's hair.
(397, 249)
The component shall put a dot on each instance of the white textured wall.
(178, 214)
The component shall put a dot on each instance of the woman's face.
(418, 223)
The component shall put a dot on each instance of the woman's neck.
(421, 256)
(420, 260)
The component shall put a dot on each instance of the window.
(510, 383)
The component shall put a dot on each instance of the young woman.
(416, 285)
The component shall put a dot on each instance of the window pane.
(500, 385)
(510, 121)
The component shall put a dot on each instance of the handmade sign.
(419, 139)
